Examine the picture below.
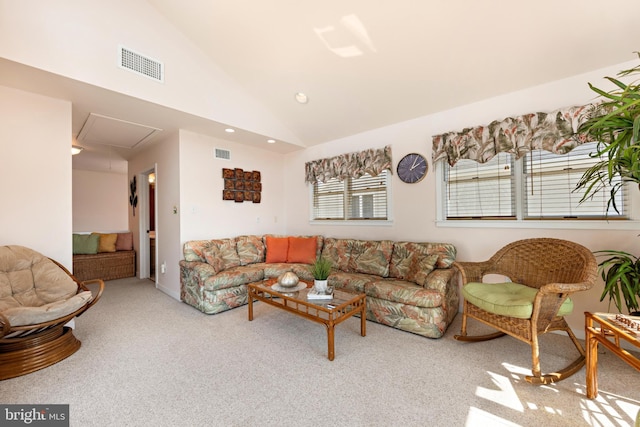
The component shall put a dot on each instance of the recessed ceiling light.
(229, 130)
(301, 98)
(271, 141)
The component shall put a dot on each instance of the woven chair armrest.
(472, 271)
(565, 288)
(98, 295)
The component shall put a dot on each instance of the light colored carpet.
(147, 359)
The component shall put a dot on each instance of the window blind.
(481, 190)
(361, 198)
(549, 183)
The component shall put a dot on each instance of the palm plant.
(621, 275)
(615, 124)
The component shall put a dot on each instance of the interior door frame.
(143, 223)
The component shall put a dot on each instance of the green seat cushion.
(507, 299)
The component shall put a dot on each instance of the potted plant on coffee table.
(320, 270)
(621, 274)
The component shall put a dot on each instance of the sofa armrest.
(440, 279)
(199, 270)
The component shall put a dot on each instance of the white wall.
(164, 156)
(100, 201)
(189, 178)
(414, 205)
(35, 173)
(80, 39)
(204, 214)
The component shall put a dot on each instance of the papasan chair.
(38, 297)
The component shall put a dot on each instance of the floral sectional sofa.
(409, 285)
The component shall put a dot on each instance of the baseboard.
(173, 294)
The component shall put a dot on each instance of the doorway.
(147, 225)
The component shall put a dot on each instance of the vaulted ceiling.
(364, 64)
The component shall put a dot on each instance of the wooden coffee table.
(327, 312)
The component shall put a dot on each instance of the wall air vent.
(140, 64)
(223, 154)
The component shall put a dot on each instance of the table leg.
(250, 305)
(330, 341)
(363, 320)
(592, 365)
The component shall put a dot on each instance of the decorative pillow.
(370, 256)
(412, 262)
(302, 250)
(124, 242)
(107, 242)
(222, 254)
(250, 249)
(277, 248)
(85, 243)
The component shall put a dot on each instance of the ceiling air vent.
(140, 64)
(223, 154)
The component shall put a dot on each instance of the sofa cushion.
(232, 277)
(337, 251)
(277, 248)
(250, 249)
(370, 256)
(507, 299)
(106, 242)
(404, 292)
(302, 250)
(193, 250)
(222, 254)
(446, 252)
(85, 243)
(412, 262)
(277, 268)
(124, 242)
(354, 282)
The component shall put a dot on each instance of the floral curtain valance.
(354, 165)
(554, 132)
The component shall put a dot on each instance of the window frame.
(358, 222)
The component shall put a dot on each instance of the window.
(481, 190)
(363, 198)
(538, 186)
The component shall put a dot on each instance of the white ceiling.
(365, 64)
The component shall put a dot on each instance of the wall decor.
(133, 197)
(241, 186)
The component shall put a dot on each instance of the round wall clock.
(412, 168)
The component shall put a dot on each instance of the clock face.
(412, 168)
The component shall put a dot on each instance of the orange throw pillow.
(277, 248)
(302, 249)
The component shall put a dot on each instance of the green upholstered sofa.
(409, 285)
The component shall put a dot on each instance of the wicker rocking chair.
(543, 273)
(38, 297)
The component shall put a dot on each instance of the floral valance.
(354, 165)
(554, 132)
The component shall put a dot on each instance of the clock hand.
(414, 165)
